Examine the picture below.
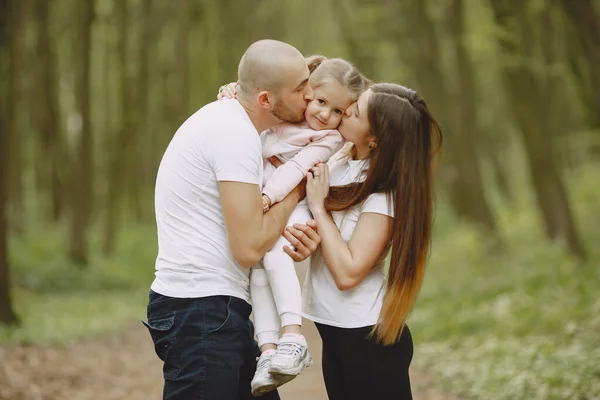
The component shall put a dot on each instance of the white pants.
(275, 288)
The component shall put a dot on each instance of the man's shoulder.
(227, 113)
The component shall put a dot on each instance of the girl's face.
(325, 111)
(355, 126)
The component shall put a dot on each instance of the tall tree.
(584, 56)
(14, 139)
(144, 130)
(183, 58)
(360, 36)
(7, 316)
(52, 153)
(82, 182)
(460, 167)
(121, 142)
(529, 105)
(464, 121)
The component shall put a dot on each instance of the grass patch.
(517, 321)
(58, 302)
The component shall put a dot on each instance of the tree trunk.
(183, 59)
(7, 316)
(51, 154)
(144, 130)
(459, 169)
(529, 104)
(120, 143)
(585, 55)
(464, 126)
(82, 186)
(15, 157)
(359, 42)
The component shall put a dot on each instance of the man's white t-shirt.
(322, 301)
(217, 143)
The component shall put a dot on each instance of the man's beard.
(283, 112)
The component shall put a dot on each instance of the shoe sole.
(264, 389)
(276, 370)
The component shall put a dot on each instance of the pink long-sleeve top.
(299, 147)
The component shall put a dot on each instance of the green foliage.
(518, 320)
(58, 301)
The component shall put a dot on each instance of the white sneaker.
(263, 381)
(292, 355)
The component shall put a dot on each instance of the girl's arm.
(348, 262)
(286, 177)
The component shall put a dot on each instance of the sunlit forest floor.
(123, 365)
(509, 318)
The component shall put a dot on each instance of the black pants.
(207, 346)
(357, 367)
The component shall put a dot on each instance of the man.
(211, 228)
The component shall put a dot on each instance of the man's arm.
(250, 232)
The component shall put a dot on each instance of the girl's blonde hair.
(323, 69)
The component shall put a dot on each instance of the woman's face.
(355, 123)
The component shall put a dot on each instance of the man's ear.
(264, 99)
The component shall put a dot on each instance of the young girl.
(274, 285)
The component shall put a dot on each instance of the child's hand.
(227, 91)
(266, 202)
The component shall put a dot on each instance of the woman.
(380, 198)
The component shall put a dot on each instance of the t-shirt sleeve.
(378, 203)
(235, 156)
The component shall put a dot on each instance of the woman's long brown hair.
(408, 141)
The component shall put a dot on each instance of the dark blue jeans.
(207, 347)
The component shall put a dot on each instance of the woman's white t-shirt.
(322, 301)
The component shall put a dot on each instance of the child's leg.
(266, 319)
(292, 354)
(266, 322)
(282, 275)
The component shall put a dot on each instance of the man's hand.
(304, 239)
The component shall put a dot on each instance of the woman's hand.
(317, 188)
(303, 238)
(227, 91)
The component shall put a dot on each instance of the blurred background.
(93, 90)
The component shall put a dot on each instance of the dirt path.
(124, 367)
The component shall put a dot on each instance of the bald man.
(211, 228)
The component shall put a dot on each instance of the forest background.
(93, 90)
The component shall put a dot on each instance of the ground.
(124, 366)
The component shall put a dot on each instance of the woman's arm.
(348, 262)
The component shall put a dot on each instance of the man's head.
(273, 82)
